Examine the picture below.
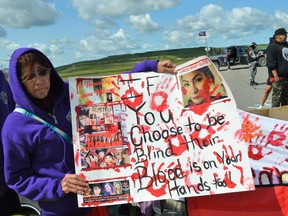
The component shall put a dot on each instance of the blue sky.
(69, 31)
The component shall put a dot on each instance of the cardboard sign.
(152, 136)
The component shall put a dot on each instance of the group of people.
(106, 189)
(38, 159)
(277, 65)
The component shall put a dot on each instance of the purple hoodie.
(6, 106)
(36, 158)
(145, 66)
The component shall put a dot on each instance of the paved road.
(246, 96)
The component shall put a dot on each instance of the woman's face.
(84, 120)
(103, 164)
(196, 86)
(108, 159)
(101, 154)
(36, 82)
(117, 186)
(96, 190)
(108, 188)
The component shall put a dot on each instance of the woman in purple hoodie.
(39, 161)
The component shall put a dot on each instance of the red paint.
(255, 152)
(200, 109)
(180, 147)
(71, 96)
(132, 98)
(277, 137)
(184, 90)
(250, 129)
(241, 173)
(77, 155)
(159, 101)
(229, 182)
(218, 158)
(82, 175)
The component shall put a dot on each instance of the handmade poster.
(266, 140)
(151, 136)
(267, 144)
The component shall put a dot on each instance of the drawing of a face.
(196, 85)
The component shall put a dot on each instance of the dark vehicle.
(237, 55)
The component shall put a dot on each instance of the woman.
(109, 159)
(39, 163)
(196, 87)
(97, 190)
(84, 121)
(118, 187)
(108, 189)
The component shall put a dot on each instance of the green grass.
(120, 63)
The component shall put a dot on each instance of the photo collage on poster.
(101, 192)
(102, 144)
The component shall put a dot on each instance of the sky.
(70, 31)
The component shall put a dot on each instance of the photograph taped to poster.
(167, 147)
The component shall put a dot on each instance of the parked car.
(238, 55)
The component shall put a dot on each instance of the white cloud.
(281, 19)
(143, 23)
(103, 14)
(8, 46)
(25, 14)
(178, 38)
(87, 9)
(219, 24)
(119, 42)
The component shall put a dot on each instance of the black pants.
(10, 204)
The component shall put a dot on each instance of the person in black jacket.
(277, 64)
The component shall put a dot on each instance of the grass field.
(120, 63)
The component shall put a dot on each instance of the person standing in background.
(229, 57)
(9, 200)
(266, 93)
(277, 64)
(252, 58)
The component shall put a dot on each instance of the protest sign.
(151, 136)
(266, 141)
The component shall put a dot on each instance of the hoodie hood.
(19, 93)
(273, 40)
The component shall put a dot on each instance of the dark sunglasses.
(43, 72)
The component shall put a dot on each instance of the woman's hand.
(75, 184)
(166, 66)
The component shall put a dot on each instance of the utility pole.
(201, 34)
